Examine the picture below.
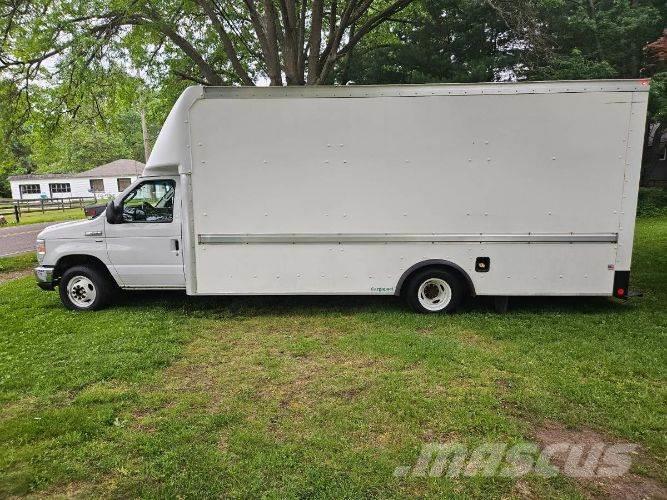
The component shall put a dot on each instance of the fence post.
(16, 212)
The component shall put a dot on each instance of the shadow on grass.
(275, 305)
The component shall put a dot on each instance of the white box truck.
(431, 192)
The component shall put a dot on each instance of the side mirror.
(112, 212)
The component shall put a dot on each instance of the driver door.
(145, 247)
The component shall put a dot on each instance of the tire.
(434, 291)
(84, 288)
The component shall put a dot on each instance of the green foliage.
(611, 31)
(652, 202)
(657, 104)
(441, 41)
(574, 67)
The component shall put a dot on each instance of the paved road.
(20, 239)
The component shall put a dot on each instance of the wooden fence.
(16, 208)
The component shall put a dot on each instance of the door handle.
(175, 245)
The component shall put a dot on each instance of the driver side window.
(150, 201)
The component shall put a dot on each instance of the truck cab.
(135, 244)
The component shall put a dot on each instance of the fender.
(434, 262)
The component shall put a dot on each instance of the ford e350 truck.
(431, 192)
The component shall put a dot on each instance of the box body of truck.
(516, 189)
(344, 190)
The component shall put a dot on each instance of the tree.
(582, 38)
(235, 41)
(437, 41)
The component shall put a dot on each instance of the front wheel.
(84, 288)
(434, 291)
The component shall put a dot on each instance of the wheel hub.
(434, 294)
(81, 291)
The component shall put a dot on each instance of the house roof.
(112, 169)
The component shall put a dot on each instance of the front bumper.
(44, 277)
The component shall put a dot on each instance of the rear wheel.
(84, 288)
(434, 291)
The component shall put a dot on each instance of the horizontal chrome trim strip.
(448, 89)
(334, 238)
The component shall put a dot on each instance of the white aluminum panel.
(633, 160)
(489, 164)
(516, 269)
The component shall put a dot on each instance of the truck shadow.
(313, 305)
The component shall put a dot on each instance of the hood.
(70, 230)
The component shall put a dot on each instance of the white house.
(105, 180)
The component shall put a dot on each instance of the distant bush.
(652, 202)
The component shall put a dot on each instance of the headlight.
(40, 247)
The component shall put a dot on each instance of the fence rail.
(16, 208)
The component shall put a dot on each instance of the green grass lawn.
(17, 262)
(165, 395)
(47, 216)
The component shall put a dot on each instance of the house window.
(60, 187)
(97, 185)
(123, 183)
(29, 189)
